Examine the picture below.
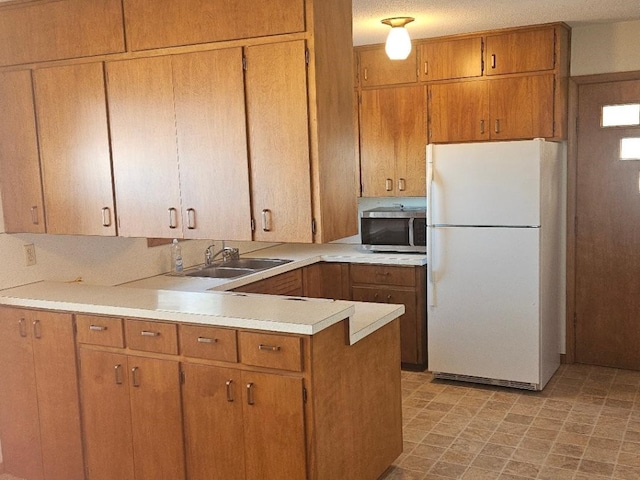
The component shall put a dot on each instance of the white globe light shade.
(398, 46)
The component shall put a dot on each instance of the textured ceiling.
(435, 18)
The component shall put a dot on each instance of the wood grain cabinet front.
(376, 69)
(39, 408)
(450, 59)
(527, 50)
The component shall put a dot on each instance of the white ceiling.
(436, 18)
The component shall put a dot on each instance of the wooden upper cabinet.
(458, 112)
(393, 137)
(521, 107)
(166, 23)
(42, 31)
(521, 51)
(20, 183)
(74, 149)
(450, 59)
(377, 69)
(212, 144)
(276, 96)
(144, 149)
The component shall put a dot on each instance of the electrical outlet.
(29, 254)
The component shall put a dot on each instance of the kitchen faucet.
(228, 253)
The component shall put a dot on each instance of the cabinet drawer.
(272, 351)
(152, 336)
(95, 330)
(209, 343)
(383, 275)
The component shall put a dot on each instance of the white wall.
(605, 48)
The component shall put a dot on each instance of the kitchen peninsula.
(247, 386)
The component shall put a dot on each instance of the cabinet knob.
(366, 74)
(493, 60)
(402, 184)
(481, 127)
(173, 218)
(207, 340)
(229, 385)
(497, 126)
(266, 220)
(34, 215)
(97, 328)
(270, 348)
(106, 217)
(22, 326)
(388, 184)
(134, 377)
(37, 331)
(250, 400)
(117, 370)
(191, 218)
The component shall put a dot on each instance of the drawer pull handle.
(106, 217)
(148, 333)
(388, 184)
(134, 377)
(270, 348)
(37, 332)
(207, 340)
(250, 400)
(229, 390)
(173, 218)
(191, 218)
(266, 220)
(493, 61)
(97, 328)
(23, 328)
(118, 373)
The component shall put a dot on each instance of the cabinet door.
(523, 51)
(288, 283)
(19, 425)
(143, 139)
(276, 96)
(521, 107)
(164, 23)
(212, 144)
(213, 430)
(74, 149)
(156, 413)
(409, 338)
(327, 280)
(106, 415)
(20, 183)
(273, 426)
(376, 69)
(458, 112)
(392, 142)
(451, 59)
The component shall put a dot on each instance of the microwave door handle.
(411, 230)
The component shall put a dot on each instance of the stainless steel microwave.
(394, 229)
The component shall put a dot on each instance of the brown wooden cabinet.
(167, 23)
(42, 31)
(288, 283)
(178, 129)
(527, 50)
(73, 133)
(450, 59)
(326, 280)
(498, 109)
(20, 180)
(39, 410)
(402, 285)
(393, 137)
(129, 401)
(376, 69)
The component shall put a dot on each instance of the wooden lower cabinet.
(288, 283)
(129, 403)
(242, 424)
(326, 280)
(39, 411)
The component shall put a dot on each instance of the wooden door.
(74, 149)
(393, 137)
(518, 52)
(143, 139)
(459, 112)
(521, 107)
(607, 231)
(20, 183)
(327, 280)
(276, 96)
(106, 415)
(274, 431)
(451, 59)
(376, 69)
(57, 386)
(214, 440)
(156, 413)
(19, 421)
(212, 144)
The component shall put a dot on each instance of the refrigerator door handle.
(431, 284)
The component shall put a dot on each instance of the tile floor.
(585, 425)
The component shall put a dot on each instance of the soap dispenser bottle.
(176, 257)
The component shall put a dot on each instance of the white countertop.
(301, 256)
(262, 312)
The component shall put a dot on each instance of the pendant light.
(398, 46)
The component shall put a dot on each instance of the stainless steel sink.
(235, 268)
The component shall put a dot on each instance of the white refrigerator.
(496, 255)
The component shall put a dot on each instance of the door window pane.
(621, 115)
(630, 148)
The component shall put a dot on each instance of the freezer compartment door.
(492, 183)
(483, 303)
